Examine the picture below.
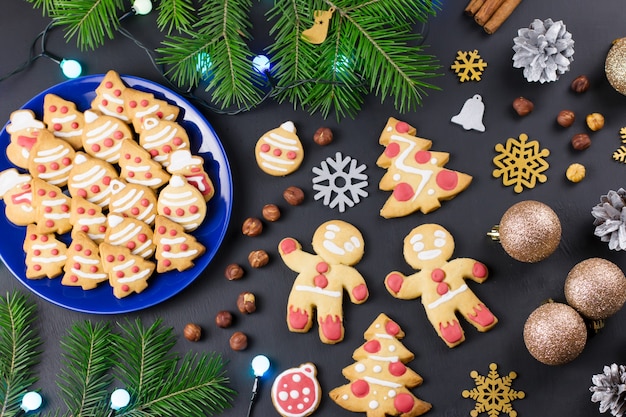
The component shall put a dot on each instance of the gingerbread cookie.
(296, 391)
(52, 208)
(88, 218)
(83, 267)
(137, 167)
(441, 284)
(51, 159)
(24, 131)
(128, 273)
(380, 380)
(133, 200)
(130, 233)
(279, 151)
(161, 137)
(175, 249)
(103, 135)
(45, 255)
(141, 105)
(414, 173)
(17, 192)
(182, 202)
(322, 278)
(110, 97)
(63, 120)
(190, 166)
(90, 178)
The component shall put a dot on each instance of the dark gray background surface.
(513, 289)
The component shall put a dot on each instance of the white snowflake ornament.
(340, 182)
(545, 50)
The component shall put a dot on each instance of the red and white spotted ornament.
(296, 391)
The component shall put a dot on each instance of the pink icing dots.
(360, 388)
(404, 402)
(392, 150)
(403, 192)
(447, 180)
(392, 328)
(265, 147)
(397, 368)
(372, 346)
(479, 270)
(402, 127)
(422, 157)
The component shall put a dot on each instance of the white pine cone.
(545, 50)
(610, 219)
(608, 389)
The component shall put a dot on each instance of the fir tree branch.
(90, 21)
(87, 359)
(19, 344)
(175, 15)
(45, 5)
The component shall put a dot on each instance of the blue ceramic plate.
(101, 300)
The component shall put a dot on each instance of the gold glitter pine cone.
(615, 65)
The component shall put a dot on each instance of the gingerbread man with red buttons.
(441, 284)
(323, 277)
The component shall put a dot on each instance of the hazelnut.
(581, 141)
(294, 196)
(595, 121)
(258, 258)
(252, 227)
(233, 272)
(580, 84)
(192, 332)
(238, 341)
(224, 319)
(271, 212)
(565, 118)
(323, 136)
(523, 106)
(246, 302)
(575, 172)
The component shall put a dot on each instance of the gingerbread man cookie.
(441, 284)
(322, 277)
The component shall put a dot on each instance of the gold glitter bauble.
(596, 288)
(530, 231)
(555, 334)
(615, 65)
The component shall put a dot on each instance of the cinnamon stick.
(500, 15)
(473, 6)
(486, 11)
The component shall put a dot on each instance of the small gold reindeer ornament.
(317, 33)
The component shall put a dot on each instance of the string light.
(119, 398)
(260, 365)
(71, 68)
(31, 401)
(142, 7)
(261, 64)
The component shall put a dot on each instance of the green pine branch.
(84, 380)
(90, 21)
(175, 15)
(45, 5)
(19, 351)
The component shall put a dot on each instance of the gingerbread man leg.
(476, 313)
(330, 328)
(447, 325)
(299, 317)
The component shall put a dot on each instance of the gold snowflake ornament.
(493, 393)
(520, 163)
(468, 66)
(620, 153)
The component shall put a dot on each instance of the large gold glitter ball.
(596, 288)
(530, 231)
(615, 65)
(555, 334)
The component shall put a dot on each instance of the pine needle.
(45, 5)
(87, 359)
(19, 351)
(175, 15)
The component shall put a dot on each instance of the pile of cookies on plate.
(119, 178)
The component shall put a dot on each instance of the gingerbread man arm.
(353, 282)
(469, 268)
(402, 286)
(293, 256)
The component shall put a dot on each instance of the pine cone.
(608, 389)
(610, 219)
(544, 50)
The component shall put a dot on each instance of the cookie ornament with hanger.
(279, 152)
(317, 33)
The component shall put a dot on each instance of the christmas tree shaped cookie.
(52, 208)
(83, 267)
(88, 218)
(379, 379)
(137, 166)
(128, 273)
(63, 120)
(175, 249)
(103, 135)
(110, 96)
(130, 233)
(141, 105)
(45, 255)
(414, 173)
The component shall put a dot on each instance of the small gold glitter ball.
(555, 334)
(615, 65)
(596, 288)
(530, 231)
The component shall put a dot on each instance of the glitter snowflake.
(493, 393)
(468, 65)
(340, 182)
(521, 163)
(620, 153)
